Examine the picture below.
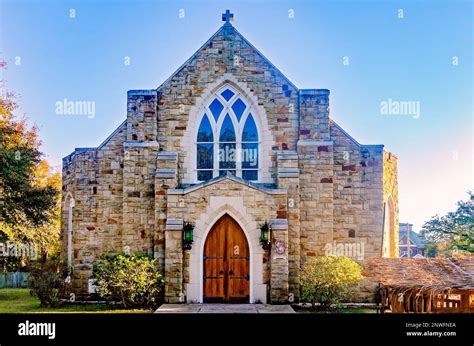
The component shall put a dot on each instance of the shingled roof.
(434, 274)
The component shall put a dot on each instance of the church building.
(232, 177)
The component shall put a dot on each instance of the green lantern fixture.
(188, 229)
(265, 236)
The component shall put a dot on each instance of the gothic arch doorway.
(226, 263)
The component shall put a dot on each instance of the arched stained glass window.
(229, 140)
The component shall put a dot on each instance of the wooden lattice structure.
(423, 285)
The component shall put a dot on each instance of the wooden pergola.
(423, 285)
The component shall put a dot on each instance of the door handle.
(221, 272)
(231, 272)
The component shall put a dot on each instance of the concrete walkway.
(224, 309)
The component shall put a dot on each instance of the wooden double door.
(226, 263)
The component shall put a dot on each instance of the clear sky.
(424, 57)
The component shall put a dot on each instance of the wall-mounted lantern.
(265, 236)
(188, 229)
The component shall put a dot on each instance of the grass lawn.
(351, 310)
(19, 300)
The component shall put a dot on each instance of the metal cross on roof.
(227, 17)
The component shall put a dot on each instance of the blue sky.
(406, 59)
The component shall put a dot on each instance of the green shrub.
(47, 282)
(328, 280)
(132, 280)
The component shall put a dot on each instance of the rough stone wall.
(228, 52)
(109, 191)
(315, 151)
(289, 179)
(166, 178)
(140, 154)
(94, 178)
(358, 201)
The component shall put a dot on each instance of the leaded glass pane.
(227, 155)
(205, 131)
(250, 175)
(249, 155)
(205, 156)
(250, 133)
(204, 175)
(227, 130)
(238, 107)
(216, 108)
(227, 94)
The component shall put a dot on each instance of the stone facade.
(317, 186)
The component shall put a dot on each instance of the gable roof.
(414, 237)
(207, 43)
(227, 176)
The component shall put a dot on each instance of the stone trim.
(309, 142)
(284, 172)
(166, 173)
(167, 155)
(230, 177)
(142, 92)
(279, 224)
(141, 144)
(314, 92)
(287, 155)
(374, 146)
(174, 225)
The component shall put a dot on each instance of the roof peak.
(226, 28)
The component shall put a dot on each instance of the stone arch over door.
(218, 207)
(188, 141)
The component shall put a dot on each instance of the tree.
(28, 189)
(455, 230)
(328, 280)
(47, 235)
(431, 250)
